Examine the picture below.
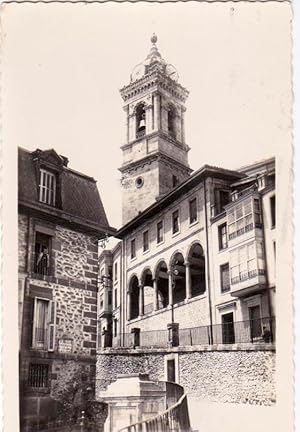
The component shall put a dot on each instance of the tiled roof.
(79, 195)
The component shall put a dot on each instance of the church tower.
(155, 155)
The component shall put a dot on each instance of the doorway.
(171, 370)
(255, 322)
(228, 328)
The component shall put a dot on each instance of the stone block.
(89, 300)
(90, 274)
(90, 315)
(89, 329)
(88, 344)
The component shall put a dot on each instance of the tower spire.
(155, 155)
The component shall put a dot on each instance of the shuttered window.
(43, 331)
(47, 187)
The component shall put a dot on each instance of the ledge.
(187, 349)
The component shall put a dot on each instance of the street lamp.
(174, 273)
(173, 328)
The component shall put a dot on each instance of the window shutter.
(51, 327)
(33, 317)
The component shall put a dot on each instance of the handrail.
(170, 423)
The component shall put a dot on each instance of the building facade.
(61, 219)
(196, 250)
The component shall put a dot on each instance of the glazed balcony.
(248, 282)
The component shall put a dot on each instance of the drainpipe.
(266, 266)
(207, 260)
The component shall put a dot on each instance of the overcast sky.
(64, 64)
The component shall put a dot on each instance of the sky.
(63, 66)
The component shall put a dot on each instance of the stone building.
(61, 219)
(192, 280)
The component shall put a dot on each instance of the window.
(140, 121)
(43, 331)
(116, 272)
(160, 233)
(223, 243)
(38, 375)
(273, 211)
(109, 298)
(132, 249)
(224, 273)
(42, 254)
(171, 122)
(222, 198)
(47, 187)
(171, 370)
(175, 221)
(243, 217)
(116, 297)
(247, 262)
(115, 327)
(193, 210)
(145, 241)
(101, 301)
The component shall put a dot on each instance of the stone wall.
(218, 375)
(76, 255)
(75, 313)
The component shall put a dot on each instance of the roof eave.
(203, 172)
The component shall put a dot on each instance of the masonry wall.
(72, 285)
(223, 375)
(190, 313)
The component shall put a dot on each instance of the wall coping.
(184, 349)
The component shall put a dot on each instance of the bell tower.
(155, 155)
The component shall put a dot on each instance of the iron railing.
(174, 419)
(260, 330)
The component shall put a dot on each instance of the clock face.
(172, 72)
(138, 72)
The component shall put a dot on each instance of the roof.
(258, 167)
(181, 189)
(79, 198)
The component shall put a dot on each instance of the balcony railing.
(251, 331)
(174, 419)
(247, 275)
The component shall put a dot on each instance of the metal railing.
(247, 275)
(174, 419)
(260, 330)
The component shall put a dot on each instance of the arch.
(162, 281)
(147, 291)
(179, 277)
(147, 277)
(172, 120)
(134, 297)
(196, 260)
(140, 120)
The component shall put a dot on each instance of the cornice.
(59, 216)
(154, 81)
(160, 134)
(151, 158)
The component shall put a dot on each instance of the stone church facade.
(195, 266)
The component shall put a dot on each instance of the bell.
(142, 124)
